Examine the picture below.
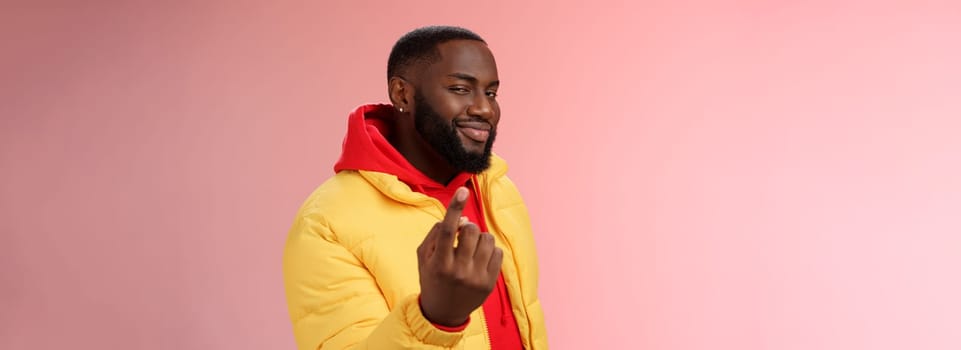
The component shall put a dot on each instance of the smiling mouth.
(477, 131)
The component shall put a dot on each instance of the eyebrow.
(472, 79)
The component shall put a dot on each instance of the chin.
(471, 149)
(475, 152)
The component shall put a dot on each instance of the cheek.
(447, 107)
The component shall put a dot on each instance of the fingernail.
(461, 194)
(463, 220)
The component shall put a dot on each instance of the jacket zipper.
(489, 217)
(487, 330)
(501, 290)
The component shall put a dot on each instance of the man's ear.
(401, 93)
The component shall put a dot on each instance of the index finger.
(447, 228)
(454, 211)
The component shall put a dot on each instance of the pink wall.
(701, 175)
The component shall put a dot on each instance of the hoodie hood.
(366, 148)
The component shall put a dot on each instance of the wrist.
(454, 323)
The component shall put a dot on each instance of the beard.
(442, 136)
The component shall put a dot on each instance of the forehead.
(466, 57)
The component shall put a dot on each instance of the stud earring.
(401, 109)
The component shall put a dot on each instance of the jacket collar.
(395, 189)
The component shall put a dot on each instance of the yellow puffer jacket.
(350, 264)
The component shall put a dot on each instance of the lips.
(477, 131)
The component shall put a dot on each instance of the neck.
(419, 153)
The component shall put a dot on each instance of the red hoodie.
(366, 148)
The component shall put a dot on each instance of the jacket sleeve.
(335, 303)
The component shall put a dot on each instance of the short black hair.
(420, 45)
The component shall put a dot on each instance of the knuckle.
(484, 286)
(445, 231)
(498, 256)
(461, 276)
(487, 240)
(471, 227)
(446, 271)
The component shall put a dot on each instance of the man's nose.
(481, 107)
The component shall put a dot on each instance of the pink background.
(701, 175)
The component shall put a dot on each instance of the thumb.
(429, 244)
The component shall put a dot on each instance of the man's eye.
(460, 90)
(492, 94)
